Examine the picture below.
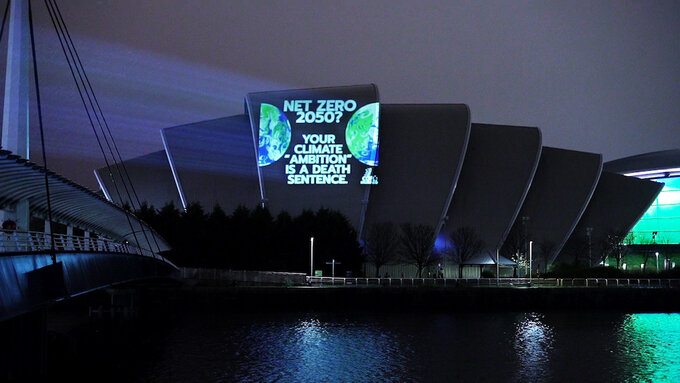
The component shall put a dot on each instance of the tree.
(513, 245)
(577, 247)
(546, 248)
(613, 246)
(465, 244)
(417, 242)
(382, 243)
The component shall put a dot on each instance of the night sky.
(594, 76)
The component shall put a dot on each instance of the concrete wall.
(499, 165)
(421, 154)
(559, 193)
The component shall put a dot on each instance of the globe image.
(361, 134)
(274, 135)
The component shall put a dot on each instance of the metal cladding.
(617, 204)
(557, 184)
(275, 188)
(151, 176)
(439, 154)
(499, 165)
(435, 168)
(71, 203)
(31, 280)
(666, 159)
(213, 162)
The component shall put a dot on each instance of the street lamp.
(589, 234)
(311, 257)
(657, 261)
(497, 268)
(531, 247)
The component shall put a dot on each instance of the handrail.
(25, 241)
(498, 282)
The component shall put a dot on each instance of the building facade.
(340, 148)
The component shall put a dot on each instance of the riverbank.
(422, 298)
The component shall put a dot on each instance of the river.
(222, 346)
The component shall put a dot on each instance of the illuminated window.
(661, 223)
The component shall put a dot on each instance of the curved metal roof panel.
(72, 204)
(560, 191)
(421, 159)
(499, 166)
(666, 159)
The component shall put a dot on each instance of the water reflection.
(649, 347)
(532, 344)
(375, 347)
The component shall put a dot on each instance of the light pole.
(531, 247)
(657, 261)
(311, 257)
(589, 234)
(497, 268)
(333, 267)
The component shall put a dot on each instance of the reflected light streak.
(533, 343)
(650, 347)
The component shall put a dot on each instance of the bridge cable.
(89, 116)
(4, 18)
(96, 107)
(53, 254)
(89, 92)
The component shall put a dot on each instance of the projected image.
(275, 135)
(361, 134)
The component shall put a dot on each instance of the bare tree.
(382, 243)
(645, 258)
(613, 246)
(577, 247)
(547, 248)
(513, 245)
(465, 244)
(417, 242)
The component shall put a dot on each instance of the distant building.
(312, 148)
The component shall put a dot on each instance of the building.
(657, 233)
(312, 148)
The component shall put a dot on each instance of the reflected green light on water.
(650, 347)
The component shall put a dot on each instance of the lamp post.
(589, 234)
(657, 261)
(311, 257)
(531, 247)
(333, 267)
(497, 268)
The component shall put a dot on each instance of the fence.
(244, 277)
(498, 282)
(31, 241)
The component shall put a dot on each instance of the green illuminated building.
(661, 222)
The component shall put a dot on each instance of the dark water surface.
(366, 347)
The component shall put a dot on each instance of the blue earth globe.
(361, 134)
(275, 135)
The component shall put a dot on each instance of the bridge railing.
(504, 282)
(27, 241)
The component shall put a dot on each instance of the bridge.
(41, 267)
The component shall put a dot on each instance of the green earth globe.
(274, 135)
(361, 134)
